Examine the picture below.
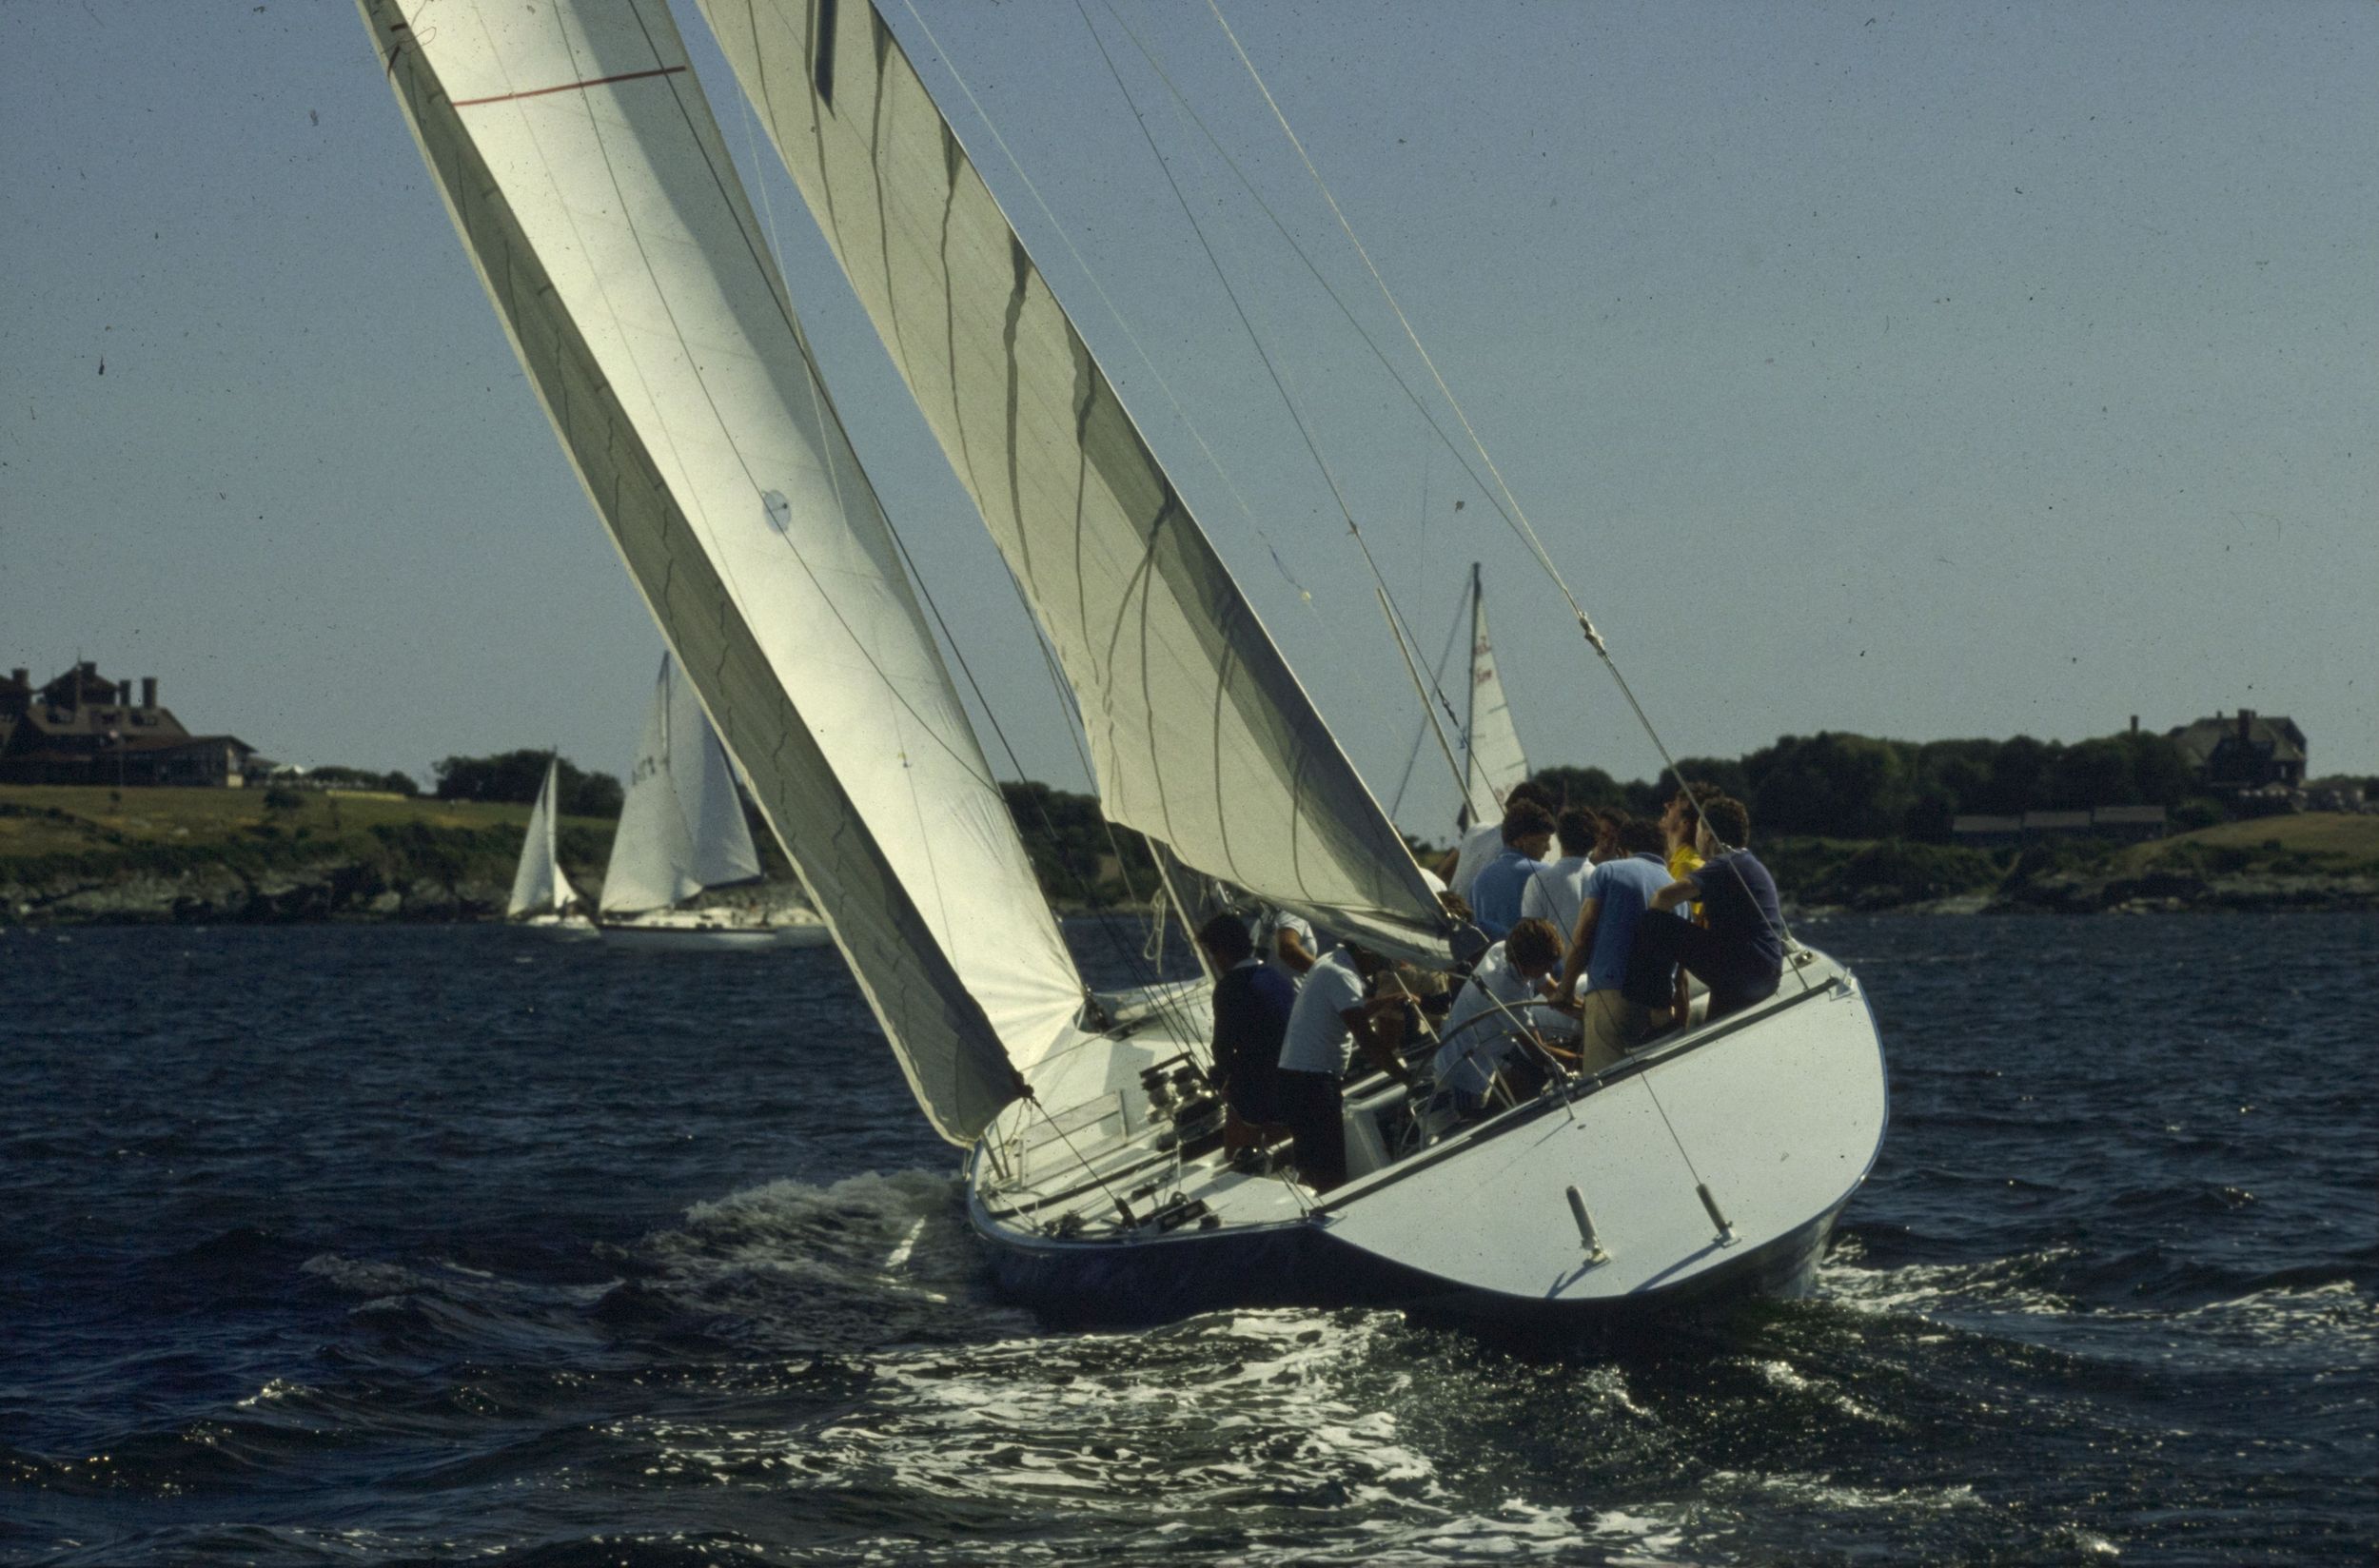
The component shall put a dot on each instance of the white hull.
(1780, 1111)
(572, 924)
(711, 930)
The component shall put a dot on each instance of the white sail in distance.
(538, 884)
(1493, 761)
(1200, 735)
(593, 191)
(682, 827)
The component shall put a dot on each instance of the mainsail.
(682, 827)
(594, 192)
(538, 884)
(1200, 735)
(1493, 761)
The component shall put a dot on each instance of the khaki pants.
(1612, 1026)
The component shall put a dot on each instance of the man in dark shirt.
(1251, 1006)
(1741, 954)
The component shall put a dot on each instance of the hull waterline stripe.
(570, 86)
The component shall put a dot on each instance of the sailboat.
(542, 895)
(682, 833)
(592, 189)
(1492, 758)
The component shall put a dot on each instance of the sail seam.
(566, 86)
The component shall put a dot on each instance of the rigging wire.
(1015, 165)
(1189, 111)
(1271, 367)
(1437, 675)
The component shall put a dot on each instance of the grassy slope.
(50, 831)
(2315, 843)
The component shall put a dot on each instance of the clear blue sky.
(1930, 371)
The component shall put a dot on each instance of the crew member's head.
(1641, 835)
(1533, 948)
(1226, 941)
(1725, 825)
(1528, 828)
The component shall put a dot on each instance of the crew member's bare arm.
(1368, 1024)
(1292, 948)
(1581, 948)
(1675, 893)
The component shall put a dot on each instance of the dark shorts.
(1737, 976)
(1254, 1092)
(1311, 1103)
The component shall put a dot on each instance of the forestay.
(1200, 735)
(593, 190)
(680, 828)
(538, 884)
(1491, 744)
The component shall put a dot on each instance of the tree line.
(1838, 785)
(517, 775)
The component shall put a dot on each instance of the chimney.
(2246, 726)
(2134, 723)
(148, 696)
(24, 676)
(124, 693)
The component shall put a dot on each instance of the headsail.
(682, 827)
(1200, 735)
(1492, 758)
(538, 884)
(595, 194)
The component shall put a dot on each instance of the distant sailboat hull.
(1583, 1207)
(716, 930)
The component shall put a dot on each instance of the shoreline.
(352, 891)
(77, 857)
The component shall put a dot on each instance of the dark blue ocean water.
(400, 1245)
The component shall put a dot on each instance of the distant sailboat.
(542, 895)
(1492, 760)
(594, 191)
(681, 832)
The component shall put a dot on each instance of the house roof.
(2199, 740)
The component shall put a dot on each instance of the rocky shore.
(331, 889)
(350, 890)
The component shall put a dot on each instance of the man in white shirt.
(1553, 893)
(1284, 942)
(1489, 1019)
(1333, 1013)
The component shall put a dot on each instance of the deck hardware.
(1726, 1231)
(1585, 1226)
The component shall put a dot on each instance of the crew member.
(1251, 1007)
(1333, 1011)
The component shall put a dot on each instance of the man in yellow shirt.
(1677, 822)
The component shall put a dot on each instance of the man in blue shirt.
(1495, 896)
(1741, 956)
(1252, 1006)
(1618, 892)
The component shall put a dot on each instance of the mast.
(1200, 735)
(593, 191)
(1470, 813)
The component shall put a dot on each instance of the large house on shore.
(2251, 752)
(81, 729)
